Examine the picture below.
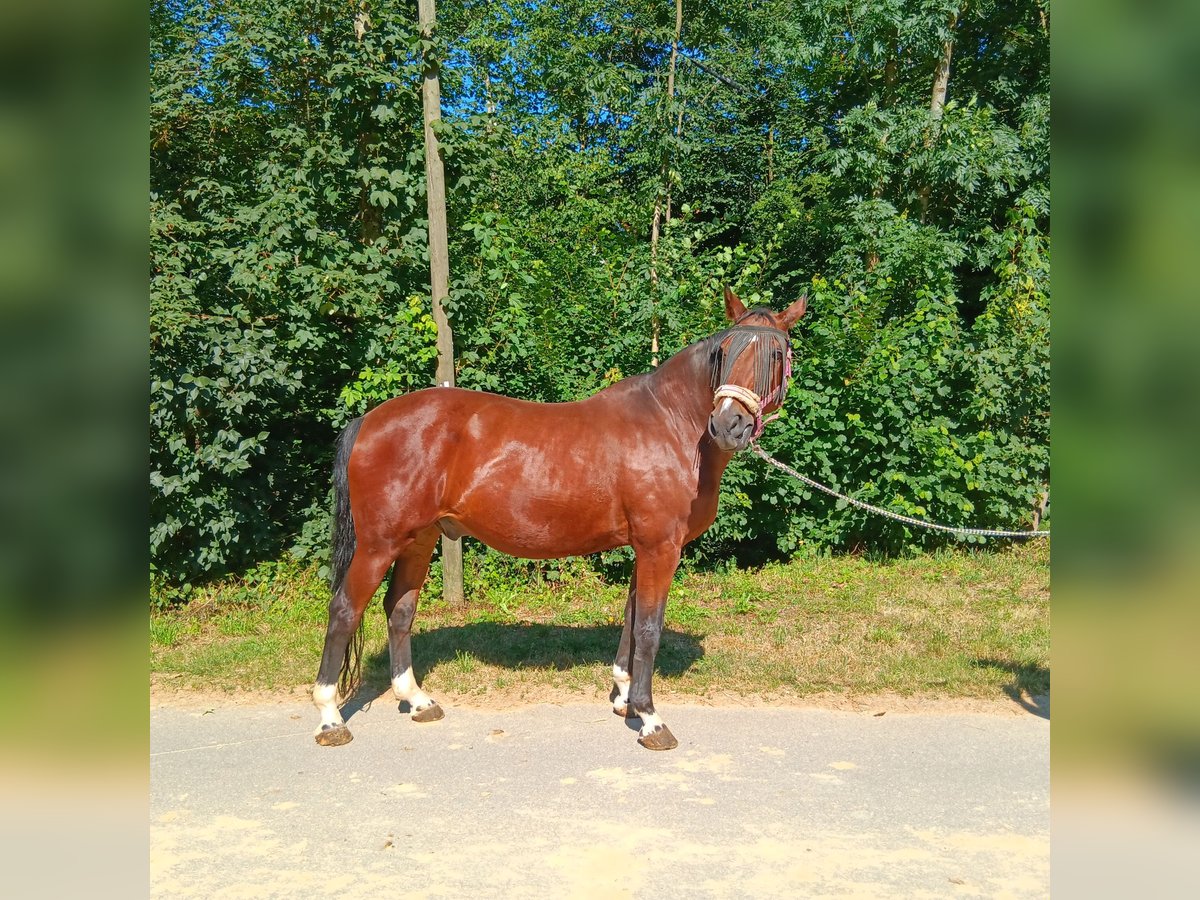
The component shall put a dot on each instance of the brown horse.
(637, 464)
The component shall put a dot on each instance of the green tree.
(825, 147)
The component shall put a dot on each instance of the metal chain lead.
(909, 520)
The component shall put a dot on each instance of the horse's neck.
(683, 388)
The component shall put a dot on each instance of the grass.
(950, 624)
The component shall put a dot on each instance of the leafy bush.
(289, 270)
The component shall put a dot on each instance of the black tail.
(344, 542)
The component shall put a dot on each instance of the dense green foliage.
(289, 283)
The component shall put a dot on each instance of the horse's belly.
(524, 527)
(537, 499)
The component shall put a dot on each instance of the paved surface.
(560, 801)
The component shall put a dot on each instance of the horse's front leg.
(652, 579)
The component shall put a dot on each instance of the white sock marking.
(650, 721)
(404, 686)
(325, 699)
(621, 681)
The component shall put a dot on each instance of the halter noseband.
(748, 398)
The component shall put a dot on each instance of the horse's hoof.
(659, 739)
(430, 713)
(334, 736)
(622, 711)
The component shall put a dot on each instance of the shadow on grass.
(1030, 687)
(521, 646)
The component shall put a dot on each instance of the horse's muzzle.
(731, 430)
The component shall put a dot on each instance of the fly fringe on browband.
(739, 339)
(731, 343)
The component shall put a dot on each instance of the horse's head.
(751, 364)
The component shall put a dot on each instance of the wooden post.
(1039, 509)
(439, 268)
(937, 101)
(662, 200)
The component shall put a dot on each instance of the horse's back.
(455, 416)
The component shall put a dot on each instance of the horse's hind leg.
(364, 575)
(400, 605)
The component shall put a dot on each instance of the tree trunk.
(941, 80)
(770, 153)
(662, 199)
(362, 21)
(370, 218)
(937, 102)
(439, 268)
(889, 96)
(1039, 509)
(489, 101)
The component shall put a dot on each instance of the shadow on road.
(541, 646)
(1030, 687)
(519, 646)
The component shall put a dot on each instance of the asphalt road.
(560, 801)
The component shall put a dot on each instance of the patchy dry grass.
(951, 624)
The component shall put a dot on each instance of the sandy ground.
(871, 797)
(165, 692)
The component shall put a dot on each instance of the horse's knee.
(343, 617)
(400, 618)
(648, 632)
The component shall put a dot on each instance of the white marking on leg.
(650, 722)
(404, 686)
(621, 681)
(325, 699)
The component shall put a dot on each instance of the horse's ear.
(734, 308)
(792, 314)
